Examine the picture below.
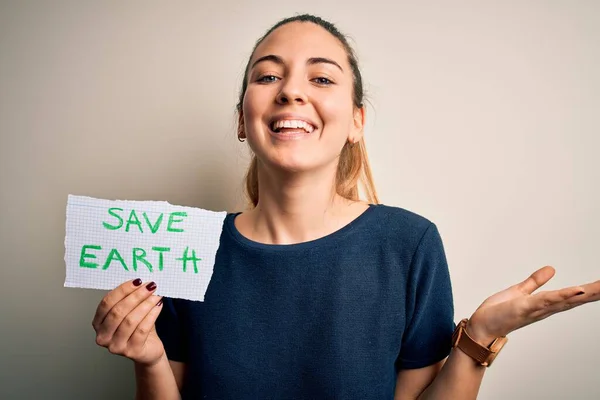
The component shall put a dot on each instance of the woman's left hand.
(517, 306)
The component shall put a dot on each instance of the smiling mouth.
(291, 127)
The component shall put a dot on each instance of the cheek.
(255, 104)
(248, 105)
(337, 111)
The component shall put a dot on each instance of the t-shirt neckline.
(335, 235)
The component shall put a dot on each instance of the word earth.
(138, 256)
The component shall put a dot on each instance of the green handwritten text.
(175, 217)
(139, 257)
(191, 258)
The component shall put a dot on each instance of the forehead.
(302, 40)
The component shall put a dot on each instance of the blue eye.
(323, 81)
(267, 79)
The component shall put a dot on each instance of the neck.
(295, 208)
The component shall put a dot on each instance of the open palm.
(517, 306)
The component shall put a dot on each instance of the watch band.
(483, 355)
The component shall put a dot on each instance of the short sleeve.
(170, 330)
(430, 323)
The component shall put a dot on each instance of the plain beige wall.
(484, 118)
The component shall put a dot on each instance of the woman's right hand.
(124, 322)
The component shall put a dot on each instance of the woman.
(316, 294)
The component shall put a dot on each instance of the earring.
(241, 139)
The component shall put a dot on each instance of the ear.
(359, 118)
(241, 131)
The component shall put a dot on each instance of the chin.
(294, 157)
(296, 163)
(293, 166)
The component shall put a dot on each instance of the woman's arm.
(125, 324)
(159, 381)
(460, 377)
(411, 383)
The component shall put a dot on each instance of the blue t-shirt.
(332, 318)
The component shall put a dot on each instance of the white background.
(483, 117)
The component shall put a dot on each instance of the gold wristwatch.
(482, 355)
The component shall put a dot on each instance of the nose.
(291, 92)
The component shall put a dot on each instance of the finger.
(139, 336)
(591, 291)
(550, 302)
(536, 280)
(549, 298)
(112, 298)
(120, 310)
(132, 320)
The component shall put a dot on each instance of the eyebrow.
(310, 61)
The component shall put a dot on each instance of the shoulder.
(403, 233)
(402, 215)
(402, 223)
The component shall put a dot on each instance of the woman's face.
(297, 110)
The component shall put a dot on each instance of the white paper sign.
(109, 242)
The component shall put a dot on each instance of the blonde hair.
(353, 168)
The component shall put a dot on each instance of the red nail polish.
(579, 293)
(159, 303)
(137, 282)
(151, 286)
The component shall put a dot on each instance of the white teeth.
(293, 123)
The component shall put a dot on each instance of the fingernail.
(151, 286)
(579, 293)
(159, 303)
(137, 282)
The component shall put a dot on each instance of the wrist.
(474, 340)
(153, 365)
(478, 333)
